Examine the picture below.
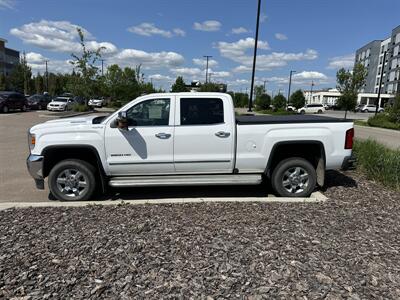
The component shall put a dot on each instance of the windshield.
(61, 100)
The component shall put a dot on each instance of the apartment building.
(8, 58)
(371, 56)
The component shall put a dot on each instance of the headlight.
(31, 141)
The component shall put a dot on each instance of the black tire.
(319, 111)
(280, 171)
(23, 108)
(86, 170)
(302, 112)
(5, 109)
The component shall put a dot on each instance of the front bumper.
(54, 108)
(35, 168)
(349, 163)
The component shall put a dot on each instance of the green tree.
(210, 87)
(297, 99)
(3, 83)
(394, 111)
(279, 102)
(20, 76)
(263, 102)
(179, 85)
(84, 64)
(241, 100)
(348, 84)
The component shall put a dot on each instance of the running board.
(185, 180)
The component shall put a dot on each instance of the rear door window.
(201, 111)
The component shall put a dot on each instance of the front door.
(204, 135)
(146, 148)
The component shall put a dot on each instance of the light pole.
(312, 86)
(47, 77)
(290, 85)
(380, 82)
(102, 66)
(207, 57)
(255, 56)
(265, 90)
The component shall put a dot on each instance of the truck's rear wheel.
(294, 177)
(72, 180)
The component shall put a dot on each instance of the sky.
(170, 37)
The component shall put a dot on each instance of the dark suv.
(38, 101)
(12, 100)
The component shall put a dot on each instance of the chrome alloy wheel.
(295, 180)
(71, 183)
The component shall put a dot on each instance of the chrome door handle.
(222, 134)
(163, 135)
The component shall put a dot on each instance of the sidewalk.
(388, 137)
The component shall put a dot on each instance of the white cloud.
(270, 61)
(203, 63)
(159, 77)
(33, 57)
(310, 75)
(179, 32)
(301, 78)
(7, 4)
(345, 61)
(210, 25)
(239, 30)
(280, 36)
(220, 74)
(239, 48)
(149, 29)
(149, 60)
(59, 36)
(191, 72)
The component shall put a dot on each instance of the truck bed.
(286, 119)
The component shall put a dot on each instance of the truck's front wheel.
(294, 177)
(72, 180)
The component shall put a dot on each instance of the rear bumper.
(349, 163)
(35, 168)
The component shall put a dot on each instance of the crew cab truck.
(186, 139)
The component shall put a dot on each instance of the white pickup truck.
(186, 139)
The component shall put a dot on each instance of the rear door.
(204, 135)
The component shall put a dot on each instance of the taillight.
(348, 144)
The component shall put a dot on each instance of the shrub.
(378, 162)
(263, 101)
(279, 102)
(80, 107)
(383, 120)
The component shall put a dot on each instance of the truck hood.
(66, 123)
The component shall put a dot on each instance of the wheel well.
(54, 155)
(311, 151)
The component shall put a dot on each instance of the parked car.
(369, 108)
(96, 102)
(187, 139)
(291, 108)
(60, 104)
(12, 100)
(39, 101)
(312, 109)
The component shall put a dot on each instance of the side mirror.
(122, 120)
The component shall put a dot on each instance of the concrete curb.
(315, 198)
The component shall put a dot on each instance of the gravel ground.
(347, 247)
